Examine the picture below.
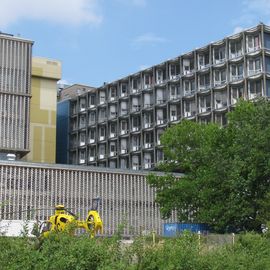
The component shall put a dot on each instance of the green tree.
(226, 180)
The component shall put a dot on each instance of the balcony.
(92, 158)
(135, 91)
(123, 112)
(189, 92)
(236, 54)
(219, 83)
(135, 108)
(254, 72)
(173, 118)
(112, 115)
(253, 49)
(174, 97)
(135, 166)
(101, 156)
(81, 161)
(123, 151)
(204, 109)
(135, 148)
(188, 72)
(123, 132)
(161, 101)
(204, 88)
(148, 145)
(92, 140)
(101, 138)
(134, 129)
(148, 125)
(219, 61)
(147, 106)
(235, 78)
(113, 153)
(203, 66)
(161, 121)
(148, 166)
(220, 105)
(112, 135)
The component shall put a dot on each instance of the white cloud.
(70, 12)
(238, 29)
(148, 39)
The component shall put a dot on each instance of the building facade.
(125, 196)
(43, 105)
(119, 125)
(15, 95)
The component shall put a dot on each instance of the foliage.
(227, 170)
(62, 251)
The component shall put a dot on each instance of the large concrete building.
(119, 125)
(44, 76)
(15, 94)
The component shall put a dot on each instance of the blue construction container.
(175, 229)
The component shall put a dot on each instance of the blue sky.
(103, 40)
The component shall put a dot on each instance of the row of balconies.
(136, 161)
(174, 92)
(204, 104)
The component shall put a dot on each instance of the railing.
(236, 54)
(161, 101)
(204, 109)
(253, 49)
(220, 105)
(219, 83)
(174, 97)
(204, 66)
(237, 77)
(219, 61)
(189, 92)
(203, 88)
(135, 108)
(254, 72)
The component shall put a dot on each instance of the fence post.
(233, 238)
(199, 237)
(154, 237)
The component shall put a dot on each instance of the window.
(220, 99)
(102, 115)
(174, 70)
(113, 92)
(113, 128)
(205, 103)
(82, 104)
(203, 60)
(136, 83)
(220, 77)
(102, 132)
(102, 97)
(236, 93)
(92, 118)
(92, 101)
(254, 66)
(159, 76)
(253, 43)
(82, 121)
(124, 109)
(112, 147)
(236, 48)
(147, 80)
(255, 89)
(92, 135)
(236, 72)
(189, 87)
(160, 96)
(219, 55)
(124, 126)
(188, 66)
(124, 89)
(204, 82)
(82, 138)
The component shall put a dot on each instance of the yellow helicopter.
(64, 220)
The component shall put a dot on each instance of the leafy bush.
(62, 251)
